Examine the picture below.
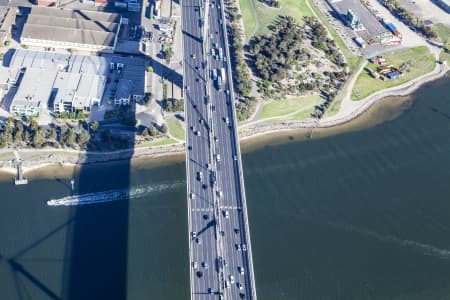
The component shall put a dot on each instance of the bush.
(149, 69)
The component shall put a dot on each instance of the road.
(218, 224)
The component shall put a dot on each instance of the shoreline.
(69, 158)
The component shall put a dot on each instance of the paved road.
(217, 212)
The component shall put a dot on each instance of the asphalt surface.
(217, 212)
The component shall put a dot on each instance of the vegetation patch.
(412, 62)
(245, 107)
(248, 16)
(290, 106)
(175, 128)
(161, 142)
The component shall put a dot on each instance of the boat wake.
(112, 195)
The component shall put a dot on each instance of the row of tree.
(243, 83)
(409, 19)
(245, 108)
(272, 3)
(173, 105)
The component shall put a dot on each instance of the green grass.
(279, 108)
(421, 61)
(443, 31)
(444, 56)
(248, 16)
(162, 142)
(267, 15)
(175, 128)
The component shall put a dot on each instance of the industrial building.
(7, 18)
(71, 29)
(123, 92)
(33, 92)
(79, 81)
(77, 91)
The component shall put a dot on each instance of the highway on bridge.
(221, 264)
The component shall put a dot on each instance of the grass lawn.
(296, 105)
(420, 62)
(443, 31)
(266, 15)
(248, 16)
(162, 142)
(175, 128)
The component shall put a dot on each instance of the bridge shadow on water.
(97, 237)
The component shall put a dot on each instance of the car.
(199, 274)
(205, 265)
(200, 121)
(227, 284)
(225, 263)
(193, 56)
(216, 139)
(222, 233)
(238, 247)
(192, 195)
(208, 166)
(189, 147)
(227, 92)
(198, 240)
(231, 279)
(244, 247)
(206, 216)
(242, 295)
(193, 234)
(235, 157)
(227, 120)
(220, 194)
(194, 265)
(236, 230)
(199, 175)
(210, 291)
(198, 133)
(226, 214)
(205, 186)
(240, 286)
(241, 270)
(218, 157)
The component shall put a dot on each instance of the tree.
(52, 134)
(38, 138)
(83, 138)
(164, 128)
(152, 130)
(149, 69)
(93, 126)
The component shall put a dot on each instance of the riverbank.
(258, 131)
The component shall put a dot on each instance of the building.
(71, 29)
(123, 92)
(33, 92)
(7, 19)
(79, 80)
(444, 4)
(8, 77)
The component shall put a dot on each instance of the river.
(361, 211)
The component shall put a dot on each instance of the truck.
(220, 54)
(360, 42)
(391, 27)
(222, 73)
(219, 83)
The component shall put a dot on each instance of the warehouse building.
(71, 29)
(123, 93)
(33, 92)
(7, 19)
(79, 81)
(75, 91)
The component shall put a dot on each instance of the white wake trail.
(113, 195)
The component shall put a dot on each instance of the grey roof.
(124, 87)
(35, 88)
(82, 24)
(51, 33)
(37, 59)
(72, 26)
(76, 14)
(7, 16)
(134, 69)
(7, 75)
(90, 88)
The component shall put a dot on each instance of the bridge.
(221, 265)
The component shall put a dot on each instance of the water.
(363, 214)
